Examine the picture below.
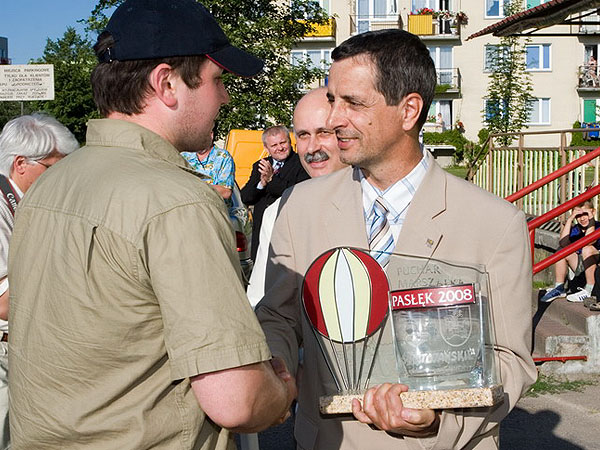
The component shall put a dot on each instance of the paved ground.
(566, 421)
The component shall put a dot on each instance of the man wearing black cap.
(127, 330)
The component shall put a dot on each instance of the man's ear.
(19, 165)
(164, 82)
(411, 106)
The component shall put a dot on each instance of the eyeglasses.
(47, 166)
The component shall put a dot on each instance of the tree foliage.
(269, 31)
(508, 98)
(73, 60)
(10, 110)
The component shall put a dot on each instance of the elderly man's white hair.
(35, 137)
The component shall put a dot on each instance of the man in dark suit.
(271, 176)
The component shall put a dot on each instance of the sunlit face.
(316, 144)
(279, 146)
(366, 128)
(198, 109)
(583, 215)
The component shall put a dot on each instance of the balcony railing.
(362, 23)
(448, 81)
(426, 25)
(326, 30)
(591, 23)
(588, 77)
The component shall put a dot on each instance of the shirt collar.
(398, 196)
(122, 133)
(16, 188)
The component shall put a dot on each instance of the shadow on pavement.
(522, 430)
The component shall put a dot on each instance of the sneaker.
(578, 296)
(557, 292)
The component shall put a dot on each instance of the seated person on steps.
(580, 223)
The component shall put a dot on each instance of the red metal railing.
(541, 220)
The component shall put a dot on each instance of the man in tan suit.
(380, 87)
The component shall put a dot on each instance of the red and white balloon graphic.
(345, 295)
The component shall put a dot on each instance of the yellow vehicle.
(246, 147)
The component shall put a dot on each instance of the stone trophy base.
(443, 399)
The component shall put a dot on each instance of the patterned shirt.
(218, 166)
(397, 197)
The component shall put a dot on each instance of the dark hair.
(403, 64)
(122, 86)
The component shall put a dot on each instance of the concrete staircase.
(561, 329)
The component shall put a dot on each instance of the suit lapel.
(420, 234)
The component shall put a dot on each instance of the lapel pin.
(429, 243)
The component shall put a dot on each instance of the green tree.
(10, 110)
(268, 31)
(73, 60)
(508, 98)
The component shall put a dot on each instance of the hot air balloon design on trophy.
(439, 335)
(345, 296)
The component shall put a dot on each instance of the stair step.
(554, 338)
(572, 315)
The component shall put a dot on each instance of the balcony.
(590, 23)
(448, 81)
(362, 23)
(426, 27)
(324, 31)
(588, 79)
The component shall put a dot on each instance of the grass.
(547, 384)
(537, 285)
(459, 171)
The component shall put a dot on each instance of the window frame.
(489, 69)
(539, 101)
(541, 49)
(500, 9)
(322, 61)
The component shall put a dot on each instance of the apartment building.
(565, 80)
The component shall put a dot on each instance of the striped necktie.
(277, 165)
(381, 240)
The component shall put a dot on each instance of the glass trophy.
(421, 322)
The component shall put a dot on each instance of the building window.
(539, 112)
(441, 109)
(533, 3)
(436, 5)
(492, 108)
(538, 57)
(319, 59)
(324, 4)
(442, 58)
(493, 54)
(495, 8)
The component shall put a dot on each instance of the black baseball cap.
(152, 29)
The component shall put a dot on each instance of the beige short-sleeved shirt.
(124, 282)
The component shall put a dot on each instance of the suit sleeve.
(279, 310)
(250, 193)
(510, 275)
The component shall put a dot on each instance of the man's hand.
(383, 408)
(266, 171)
(289, 381)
